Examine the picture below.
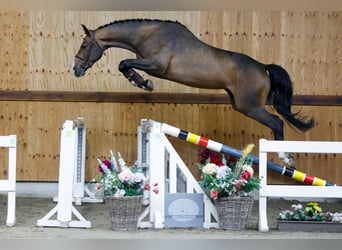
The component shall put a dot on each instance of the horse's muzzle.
(79, 71)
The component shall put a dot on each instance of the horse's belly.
(194, 77)
(199, 81)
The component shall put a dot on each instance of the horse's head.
(89, 52)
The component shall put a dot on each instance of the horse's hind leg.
(276, 124)
(126, 67)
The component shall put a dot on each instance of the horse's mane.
(139, 20)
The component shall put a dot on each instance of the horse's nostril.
(78, 72)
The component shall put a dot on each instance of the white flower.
(297, 207)
(138, 177)
(210, 168)
(120, 193)
(337, 217)
(121, 161)
(221, 172)
(282, 216)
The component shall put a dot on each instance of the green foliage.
(227, 178)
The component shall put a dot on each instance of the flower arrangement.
(226, 177)
(118, 180)
(312, 212)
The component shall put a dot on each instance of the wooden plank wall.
(36, 54)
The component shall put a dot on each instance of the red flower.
(246, 175)
(204, 154)
(216, 160)
(107, 163)
(233, 160)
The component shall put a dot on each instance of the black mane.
(139, 20)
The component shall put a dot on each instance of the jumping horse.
(168, 50)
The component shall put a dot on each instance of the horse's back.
(184, 58)
(174, 33)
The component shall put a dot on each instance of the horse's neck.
(121, 36)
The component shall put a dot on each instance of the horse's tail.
(281, 96)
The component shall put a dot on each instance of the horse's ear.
(86, 31)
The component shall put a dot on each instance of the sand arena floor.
(29, 210)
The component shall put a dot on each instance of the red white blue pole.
(224, 149)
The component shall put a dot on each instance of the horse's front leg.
(126, 67)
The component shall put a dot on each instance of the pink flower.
(98, 186)
(156, 190)
(147, 186)
(214, 194)
(239, 183)
(126, 175)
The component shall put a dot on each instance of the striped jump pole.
(224, 149)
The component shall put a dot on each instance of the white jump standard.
(293, 191)
(164, 167)
(69, 171)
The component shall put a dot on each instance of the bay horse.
(168, 50)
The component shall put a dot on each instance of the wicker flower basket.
(124, 211)
(233, 212)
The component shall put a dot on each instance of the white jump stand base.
(90, 197)
(47, 222)
(92, 200)
(9, 185)
(86, 199)
(83, 200)
(11, 199)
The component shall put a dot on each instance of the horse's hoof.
(291, 161)
(288, 159)
(148, 85)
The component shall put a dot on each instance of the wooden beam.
(146, 97)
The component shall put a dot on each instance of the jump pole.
(224, 149)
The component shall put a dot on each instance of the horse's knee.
(123, 66)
